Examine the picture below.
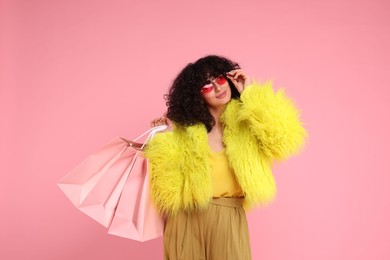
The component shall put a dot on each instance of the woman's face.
(217, 92)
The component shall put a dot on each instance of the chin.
(224, 101)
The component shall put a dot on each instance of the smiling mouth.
(222, 95)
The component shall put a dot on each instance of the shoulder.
(178, 137)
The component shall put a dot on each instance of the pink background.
(75, 74)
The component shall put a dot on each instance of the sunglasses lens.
(220, 80)
(207, 89)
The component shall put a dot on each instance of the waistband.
(228, 202)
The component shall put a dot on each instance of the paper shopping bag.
(98, 184)
(135, 216)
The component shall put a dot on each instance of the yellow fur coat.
(260, 127)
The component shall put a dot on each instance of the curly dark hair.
(185, 104)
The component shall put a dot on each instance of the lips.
(222, 95)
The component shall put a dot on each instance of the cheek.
(207, 100)
(228, 90)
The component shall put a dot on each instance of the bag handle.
(151, 132)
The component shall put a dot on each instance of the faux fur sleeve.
(273, 119)
(166, 180)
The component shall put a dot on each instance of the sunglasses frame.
(209, 86)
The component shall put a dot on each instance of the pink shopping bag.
(112, 187)
(135, 216)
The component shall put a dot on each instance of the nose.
(217, 87)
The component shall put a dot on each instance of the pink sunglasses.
(220, 80)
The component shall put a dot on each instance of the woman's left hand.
(239, 79)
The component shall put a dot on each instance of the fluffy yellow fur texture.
(273, 119)
(260, 127)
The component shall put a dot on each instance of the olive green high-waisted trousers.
(218, 233)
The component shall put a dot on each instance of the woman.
(217, 160)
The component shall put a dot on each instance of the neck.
(215, 135)
(216, 113)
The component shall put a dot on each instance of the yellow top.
(224, 181)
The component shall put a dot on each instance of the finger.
(229, 76)
(169, 122)
(236, 83)
(236, 74)
(163, 121)
(233, 75)
(240, 74)
(232, 72)
(232, 79)
(156, 122)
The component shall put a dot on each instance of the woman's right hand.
(164, 120)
